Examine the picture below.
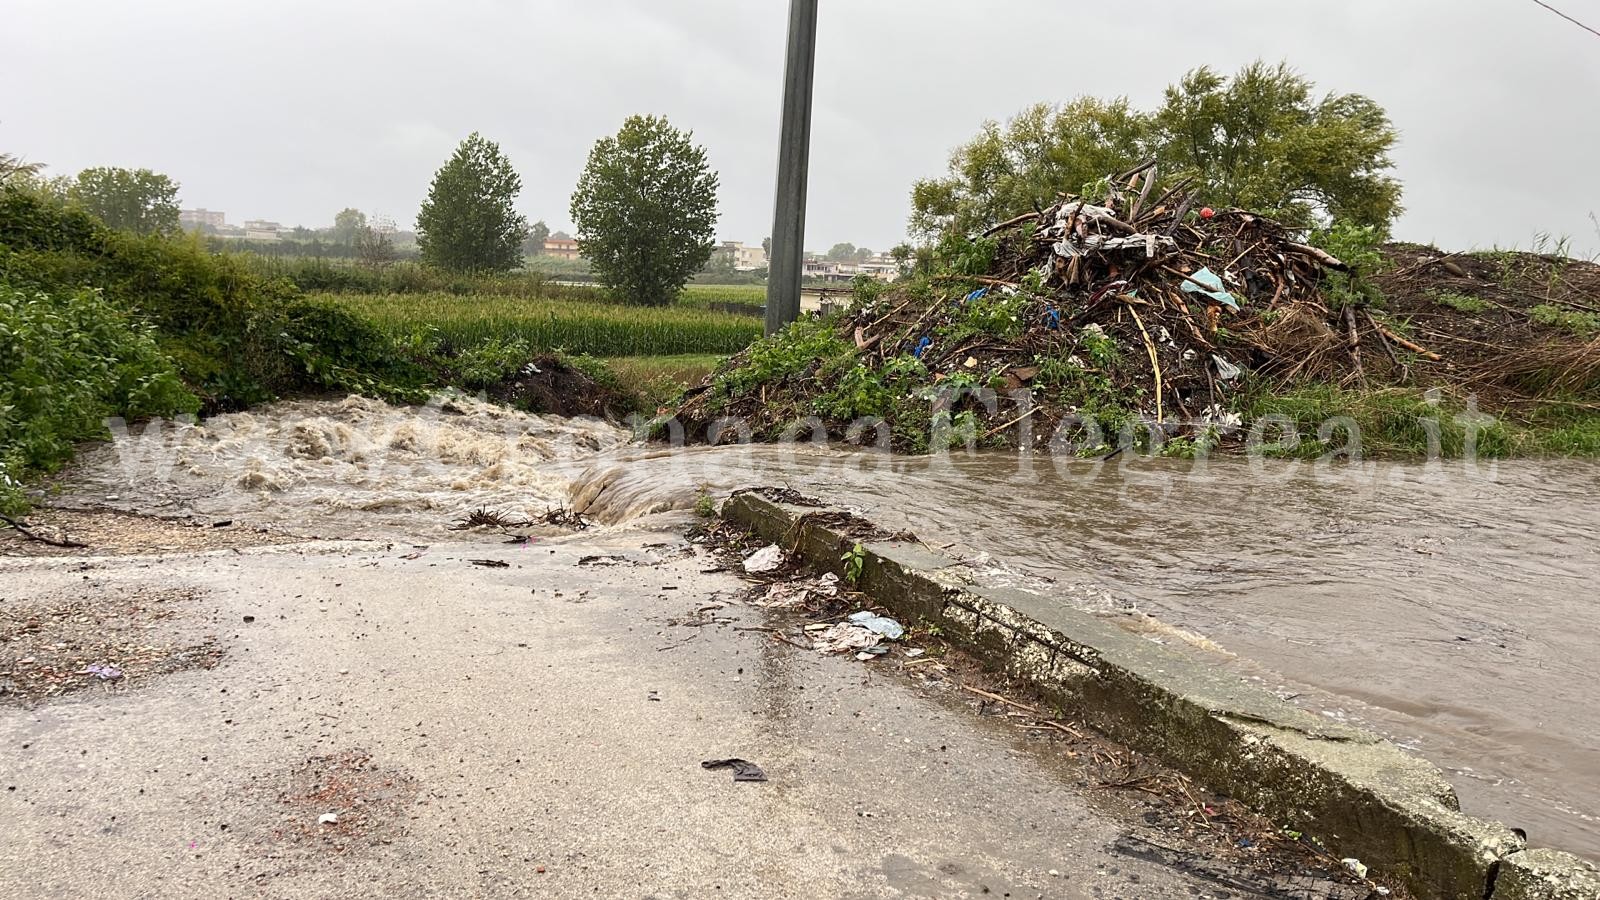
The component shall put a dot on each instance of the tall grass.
(598, 329)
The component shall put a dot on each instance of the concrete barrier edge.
(1360, 795)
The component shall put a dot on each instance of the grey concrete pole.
(787, 265)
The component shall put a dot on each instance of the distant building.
(743, 258)
(819, 269)
(880, 267)
(195, 219)
(561, 246)
(262, 230)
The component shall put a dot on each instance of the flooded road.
(1448, 607)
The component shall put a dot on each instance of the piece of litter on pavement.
(328, 819)
(766, 559)
(883, 625)
(743, 769)
(102, 672)
(845, 637)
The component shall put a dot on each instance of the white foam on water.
(355, 467)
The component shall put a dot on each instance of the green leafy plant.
(1580, 323)
(704, 506)
(68, 361)
(855, 561)
(1460, 302)
(1357, 247)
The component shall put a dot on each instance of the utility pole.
(787, 263)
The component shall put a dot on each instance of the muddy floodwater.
(1450, 607)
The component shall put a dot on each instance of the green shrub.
(1460, 302)
(1582, 324)
(1357, 246)
(67, 362)
(236, 337)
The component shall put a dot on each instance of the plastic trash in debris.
(1356, 866)
(1226, 371)
(103, 672)
(915, 652)
(767, 559)
(793, 595)
(743, 769)
(922, 347)
(1052, 319)
(845, 637)
(1208, 213)
(873, 652)
(1210, 283)
(978, 294)
(328, 819)
(877, 624)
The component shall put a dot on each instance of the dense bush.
(237, 337)
(67, 362)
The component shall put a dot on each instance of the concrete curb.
(1361, 796)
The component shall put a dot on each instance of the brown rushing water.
(1448, 607)
(1451, 608)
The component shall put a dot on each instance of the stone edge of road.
(1362, 796)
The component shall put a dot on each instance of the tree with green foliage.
(646, 210)
(348, 226)
(469, 222)
(842, 253)
(12, 166)
(537, 235)
(136, 200)
(1043, 151)
(1259, 141)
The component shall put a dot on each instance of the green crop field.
(742, 294)
(598, 329)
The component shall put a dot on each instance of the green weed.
(1460, 302)
(1580, 323)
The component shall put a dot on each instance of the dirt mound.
(1508, 325)
(549, 385)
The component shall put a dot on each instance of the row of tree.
(136, 200)
(645, 209)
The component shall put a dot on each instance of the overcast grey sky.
(292, 110)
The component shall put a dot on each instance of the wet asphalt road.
(535, 730)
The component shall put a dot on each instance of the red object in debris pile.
(1208, 213)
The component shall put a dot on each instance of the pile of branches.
(1189, 300)
(1193, 297)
